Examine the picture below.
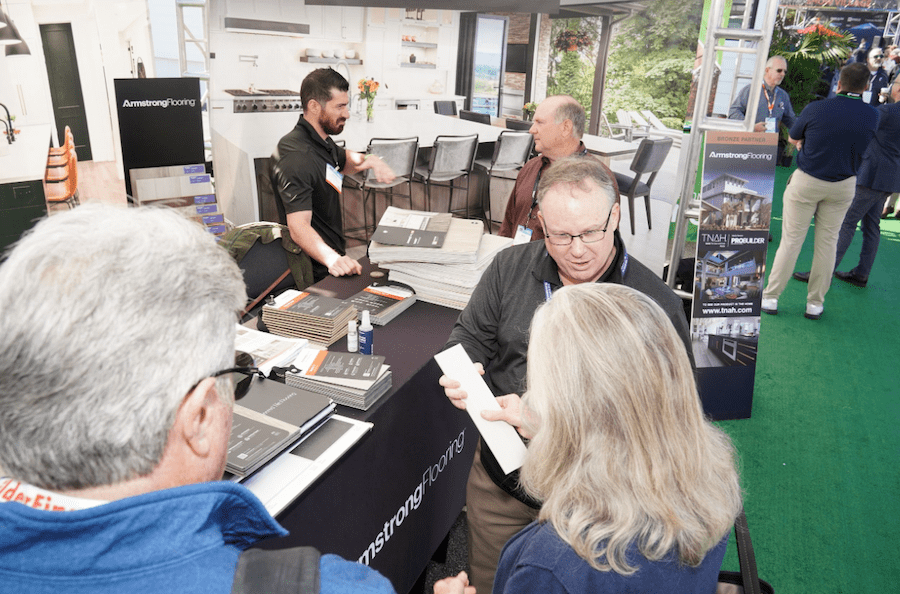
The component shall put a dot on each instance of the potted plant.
(570, 41)
(528, 110)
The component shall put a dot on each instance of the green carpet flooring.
(819, 457)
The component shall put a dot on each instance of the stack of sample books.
(317, 318)
(350, 379)
(384, 302)
(418, 236)
(450, 285)
(271, 417)
(187, 189)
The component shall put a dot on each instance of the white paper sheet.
(501, 437)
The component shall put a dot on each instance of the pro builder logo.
(160, 103)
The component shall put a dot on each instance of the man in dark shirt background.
(308, 172)
(832, 135)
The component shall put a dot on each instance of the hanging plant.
(570, 41)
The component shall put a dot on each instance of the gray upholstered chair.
(649, 158)
(452, 158)
(511, 151)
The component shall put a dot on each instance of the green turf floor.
(819, 457)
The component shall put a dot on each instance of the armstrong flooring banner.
(160, 123)
(736, 195)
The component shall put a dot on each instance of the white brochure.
(501, 437)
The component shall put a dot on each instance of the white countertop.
(26, 158)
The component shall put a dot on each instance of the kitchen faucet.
(10, 129)
(350, 89)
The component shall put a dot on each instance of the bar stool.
(400, 155)
(452, 158)
(67, 191)
(445, 108)
(59, 157)
(510, 153)
(649, 158)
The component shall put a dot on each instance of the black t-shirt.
(300, 179)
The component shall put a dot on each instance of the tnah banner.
(736, 210)
(160, 123)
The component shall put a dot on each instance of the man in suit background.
(878, 178)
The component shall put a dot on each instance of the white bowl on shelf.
(327, 53)
(350, 54)
(313, 52)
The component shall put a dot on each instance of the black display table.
(392, 499)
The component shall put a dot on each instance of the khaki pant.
(805, 198)
(494, 517)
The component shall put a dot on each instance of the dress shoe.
(770, 306)
(803, 277)
(813, 311)
(849, 277)
(886, 213)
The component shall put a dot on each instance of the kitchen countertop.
(26, 158)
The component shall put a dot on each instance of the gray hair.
(771, 61)
(622, 454)
(110, 316)
(570, 109)
(577, 170)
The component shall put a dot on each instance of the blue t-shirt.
(835, 134)
(537, 560)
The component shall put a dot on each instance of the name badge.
(770, 124)
(867, 96)
(523, 235)
(334, 177)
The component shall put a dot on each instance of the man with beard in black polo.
(308, 172)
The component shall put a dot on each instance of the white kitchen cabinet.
(281, 11)
(344, 23)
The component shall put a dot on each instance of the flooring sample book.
(270, 418)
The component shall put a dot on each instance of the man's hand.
(343, 266)
(510, 411)
(759, 127)
(454, 585)
(451, 389)
(383, 173)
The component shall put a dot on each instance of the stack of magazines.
(317, 318)
(350, 379)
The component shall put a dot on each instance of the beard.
(333, 127)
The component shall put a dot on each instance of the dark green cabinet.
(21, 205)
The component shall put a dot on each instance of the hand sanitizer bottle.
(365, 334)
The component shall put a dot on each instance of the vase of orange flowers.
(368, 88)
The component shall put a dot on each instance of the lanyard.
(770, 102)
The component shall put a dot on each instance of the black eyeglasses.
(241, 383)
(780, 70)
(592, 236)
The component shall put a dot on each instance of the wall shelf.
(416, 65)
(314, 60)
(419, 44)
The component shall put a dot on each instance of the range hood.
(236, 25)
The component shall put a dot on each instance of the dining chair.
(511, 151)
(445, 108)
(523, 125)
(452, 158)
(649, 158)
(474, 116)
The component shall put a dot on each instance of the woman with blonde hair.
(638, 490)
